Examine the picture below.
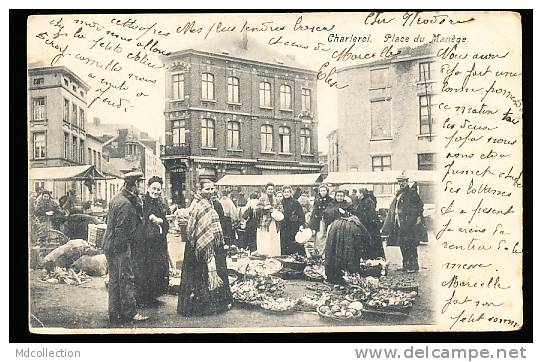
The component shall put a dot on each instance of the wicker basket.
(96, 234)
(338, 319)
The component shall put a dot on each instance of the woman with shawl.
(204, 286)
(268, 233)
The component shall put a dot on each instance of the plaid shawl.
(204, 230)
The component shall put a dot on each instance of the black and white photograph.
(275, 172)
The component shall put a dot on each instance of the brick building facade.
(236, 108)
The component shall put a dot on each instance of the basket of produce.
(294, 262)
(277, 305)
(308, 303)
(340, 310)
(288, 274)
(403, 284)
(373, 268)
(391, 302)
(264, 267)
(314, 272)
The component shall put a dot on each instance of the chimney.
(244, 42)
(123, 133)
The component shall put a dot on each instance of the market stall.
(250, 183)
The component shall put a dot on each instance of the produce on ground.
(66, 276)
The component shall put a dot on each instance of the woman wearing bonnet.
(150, 254)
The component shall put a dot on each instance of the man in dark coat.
(294, 217)
(404, 223)
(124, 224)
(366, 213)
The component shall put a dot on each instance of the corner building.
(236, 108)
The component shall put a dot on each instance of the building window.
(74, 148)
(426, 119)
(99, 161)
(284, 139)
(66, 114)
(178, 130)
(39, 145)
(74, 89)
(266, 138)
(233, 90)
(425, 71)
(234, 135)
(131, 149)
(381, 163)
(74, 115)
(207, 133)
(89, 160)
(38, 81)
(67, 146)
(426, 161)
(177, 83)
(39, 109)
(82, 151)
(82, 93)
(383, 189)
(265, 94)
(285, 97)
(94, 158)
(380, 119)
(82, 118)
(39, 185)
(305, 141)
(379, 78)
(305, 99)
(207, 86)
(66, 82)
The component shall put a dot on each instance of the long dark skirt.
(287, 240)
(151, 268)
(346, 242)
(195, 299)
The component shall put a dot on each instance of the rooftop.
(407, 53)
(235, 46)
(38, 68)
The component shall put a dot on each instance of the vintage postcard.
(275, 172)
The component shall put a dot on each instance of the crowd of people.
(345, 228)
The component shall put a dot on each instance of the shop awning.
(67, 173)
(260, 180)
(379, 177)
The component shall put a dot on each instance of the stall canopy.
(379, 177)
(67, 173)
(260, 180)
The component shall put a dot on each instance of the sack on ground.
(95, 266)
(66, 254)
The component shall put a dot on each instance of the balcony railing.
(179, 149)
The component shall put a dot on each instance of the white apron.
(268, 241)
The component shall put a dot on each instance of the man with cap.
(404, 223)
(124, 221)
